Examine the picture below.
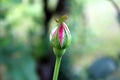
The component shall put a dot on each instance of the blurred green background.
(25, 51)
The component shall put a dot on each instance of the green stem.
(57, 67)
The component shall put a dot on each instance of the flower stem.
(57, 67)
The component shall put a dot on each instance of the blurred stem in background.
(117, 9)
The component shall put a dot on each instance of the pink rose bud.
(60, 36)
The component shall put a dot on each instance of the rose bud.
(60, 38)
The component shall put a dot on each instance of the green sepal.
(55, 41)
(59, 52)
(62, 19)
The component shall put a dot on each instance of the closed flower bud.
(60, 36)
(60, 39)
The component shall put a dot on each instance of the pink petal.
(54, 31)
(66, 28)
(61, 34)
